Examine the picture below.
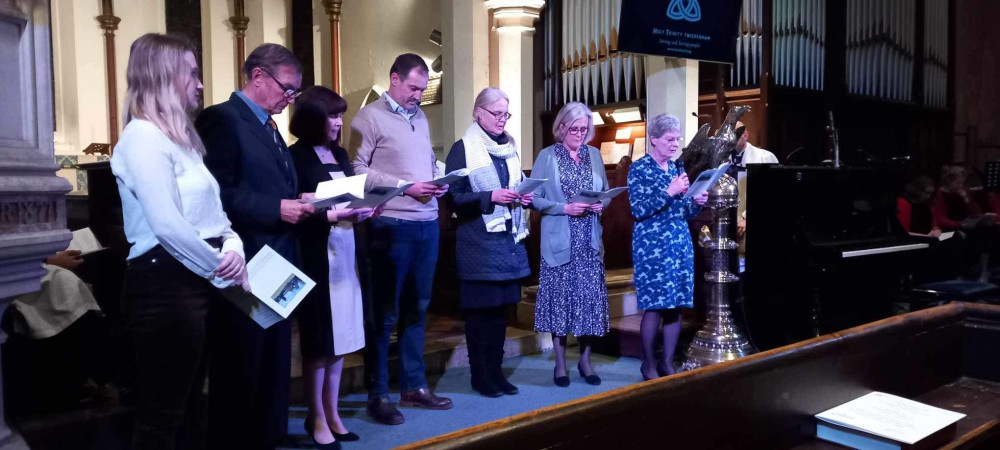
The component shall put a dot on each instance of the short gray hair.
(487, 96)
(570, 113)
(270, 57)
(663, 123)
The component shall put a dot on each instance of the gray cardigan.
(549, 200)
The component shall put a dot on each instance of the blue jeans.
(403, 259)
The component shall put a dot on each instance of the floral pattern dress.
(573, 298)
(662, 252)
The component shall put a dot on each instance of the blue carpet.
(531, 374)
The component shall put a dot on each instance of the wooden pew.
(944, 356)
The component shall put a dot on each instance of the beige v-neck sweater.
(391, 150)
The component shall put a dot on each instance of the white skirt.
(345, 292)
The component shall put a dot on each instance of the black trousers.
(166, 308)
(249, 374)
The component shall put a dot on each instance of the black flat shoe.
(562, 381)
(349, 436)
(591, 379)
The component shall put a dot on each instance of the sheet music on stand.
(993, 176)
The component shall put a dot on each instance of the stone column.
(672, 88)
(515, 23)
(218, 60)
(465, 58)
(32, 197)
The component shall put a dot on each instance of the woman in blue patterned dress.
(661, 243)
(572, 295)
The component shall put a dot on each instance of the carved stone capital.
(517, 14)
(333, 8)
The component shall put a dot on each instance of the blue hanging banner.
(693, 29)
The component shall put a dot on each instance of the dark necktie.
(739, 158)
(280, 143)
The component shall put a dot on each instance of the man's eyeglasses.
(288, 91)
(499, 115)
(577, 130)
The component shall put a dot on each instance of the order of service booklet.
(706, 180)
(883, 421)
(276, 288)
(592, 197)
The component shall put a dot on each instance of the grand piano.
(824, 250)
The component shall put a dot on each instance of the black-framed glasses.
(287, 90)
(498, 115)
(577, 130)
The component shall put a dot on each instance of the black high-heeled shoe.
(335, 445)
(562, 381)
(591, 379)
(349, 436)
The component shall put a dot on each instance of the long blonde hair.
(155, 69)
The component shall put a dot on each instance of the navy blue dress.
(662, 252)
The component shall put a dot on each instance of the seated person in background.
(747, 153)
(952, 204)
(913, 208)
(54, 345)
(62, 299)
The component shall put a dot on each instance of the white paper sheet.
(378, 196)
(890, 417)
(85, 241)
(530, 184)
(592, 197)
(450, 178)
(354, 186)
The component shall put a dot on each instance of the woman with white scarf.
(492, 225)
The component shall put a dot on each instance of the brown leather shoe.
(384, 411)
(424, 398)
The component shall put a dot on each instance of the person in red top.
(952, 204)
(914, 210)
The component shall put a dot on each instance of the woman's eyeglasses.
(288, 91)
(499, 115)
(577, 130)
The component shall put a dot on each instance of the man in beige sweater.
(393, 145)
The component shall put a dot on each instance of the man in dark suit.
(248, 402)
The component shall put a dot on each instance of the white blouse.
(170, 198)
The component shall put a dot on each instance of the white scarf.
(483, 178)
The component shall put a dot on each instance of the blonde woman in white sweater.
(183, 247)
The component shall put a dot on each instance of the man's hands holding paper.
(233, 268)
(422, 191)
(293, 211)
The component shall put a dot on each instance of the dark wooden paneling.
(302, 39)
(767, 400)
(184, 19)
